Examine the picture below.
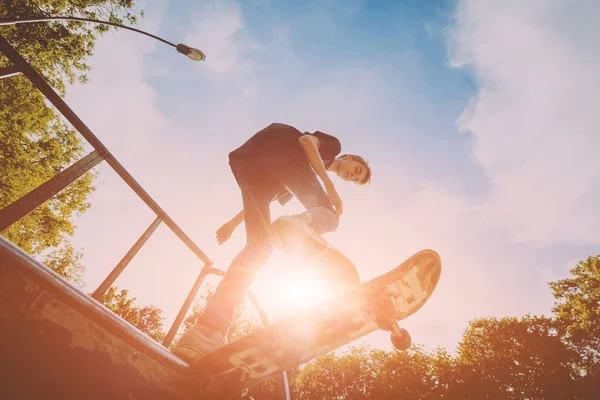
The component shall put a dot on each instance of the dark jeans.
(259, 186)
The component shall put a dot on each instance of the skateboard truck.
(384, 309)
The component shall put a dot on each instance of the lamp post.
(191, 52)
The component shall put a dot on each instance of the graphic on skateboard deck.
(378, 304)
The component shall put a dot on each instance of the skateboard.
(376, 304)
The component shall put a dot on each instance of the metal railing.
(30, 201)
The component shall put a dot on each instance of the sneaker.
(197, 341)
(293, 235)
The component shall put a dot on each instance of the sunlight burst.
(294, 292)
(291, 288)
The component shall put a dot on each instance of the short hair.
(367, 179)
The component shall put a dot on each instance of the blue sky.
(478, 119)
(400, 45)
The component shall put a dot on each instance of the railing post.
(186, 305)
(110, 279)
(29, 202)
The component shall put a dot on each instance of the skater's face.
(352, 170)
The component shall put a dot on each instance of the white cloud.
(216, 27)
(534, 120)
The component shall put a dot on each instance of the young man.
(277, 163)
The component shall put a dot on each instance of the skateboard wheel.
(402, 343)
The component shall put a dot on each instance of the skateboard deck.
(377, 304)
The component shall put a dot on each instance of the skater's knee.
(324, 219)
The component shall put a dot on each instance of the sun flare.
(299, 292)
(291, 288)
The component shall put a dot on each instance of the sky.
(478, 119)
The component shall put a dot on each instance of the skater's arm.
(224, 232)
(238, 219)
(310, 145)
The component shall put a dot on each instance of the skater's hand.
(335, 198)
(224, 232)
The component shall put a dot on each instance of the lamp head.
(191, 52)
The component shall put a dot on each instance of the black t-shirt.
(277, 144)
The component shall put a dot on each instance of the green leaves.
(577, 304)
(514, 358)
(505, 358)
(577, 309)
(65, 261)
(147, 319)
(361, 373)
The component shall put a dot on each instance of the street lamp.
(191, 52)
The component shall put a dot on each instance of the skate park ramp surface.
(56, 342)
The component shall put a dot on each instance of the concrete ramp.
(56, 342)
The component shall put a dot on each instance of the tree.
(414, 373)
(506, 358)
(36, 143)
(445, 375)
(577, 310)
(332, 376)
(65, 261)
(512, 358)
(147, 319)
(360, 373)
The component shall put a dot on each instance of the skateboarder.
(276, 163)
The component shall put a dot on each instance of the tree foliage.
(512, 358)
(503, 359)
(360, 373)
(577, 309)
(147, 319)
(36, 143)
(577, 304)
(66, 261)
